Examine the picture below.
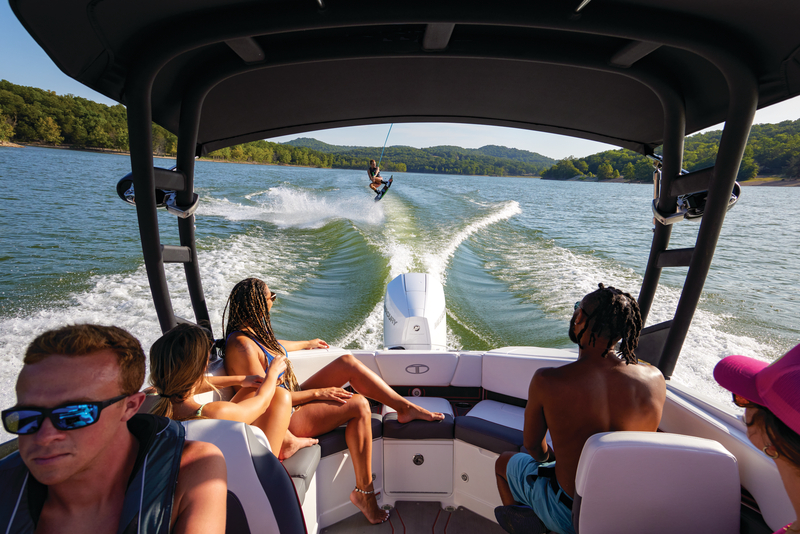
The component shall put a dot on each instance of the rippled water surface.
(514, 254)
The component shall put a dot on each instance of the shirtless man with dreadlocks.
(603, 391)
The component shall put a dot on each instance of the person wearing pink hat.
(770, 394)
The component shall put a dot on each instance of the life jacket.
(148, 499)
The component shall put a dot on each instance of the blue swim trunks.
(538, 492)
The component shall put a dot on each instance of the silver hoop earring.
(777, 454)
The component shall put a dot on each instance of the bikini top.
(267, 354)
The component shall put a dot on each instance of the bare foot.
(412, 411)
(369, 506)
(293, 444)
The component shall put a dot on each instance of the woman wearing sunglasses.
(321, 405)
(178, 363)
(770, 394)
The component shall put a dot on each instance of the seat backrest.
(261, 495)
(655, 482)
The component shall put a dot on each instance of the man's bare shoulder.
(647, 372)
(562, 372)
(546, 379)
(201, 461)
(201, 490)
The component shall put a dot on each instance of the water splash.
(528, 265)
(290, 207)
(436, 262)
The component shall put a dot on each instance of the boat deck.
(411, 517)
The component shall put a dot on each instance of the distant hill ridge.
(445, 158)
(32, 115)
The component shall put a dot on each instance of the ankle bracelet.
(365, 492)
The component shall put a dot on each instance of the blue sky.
(23, 63)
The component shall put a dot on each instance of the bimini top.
(602, 69)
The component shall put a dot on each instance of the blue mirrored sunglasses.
(71, 416)
(577, 305)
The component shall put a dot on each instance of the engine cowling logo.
(417, 369)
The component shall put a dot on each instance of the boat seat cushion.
(500, 413)
(256, 478)
(493, 426)
(301, 467)
(655, 482)
(487, 435)
(334, 441)
(420, 429)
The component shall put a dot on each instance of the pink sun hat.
(776, 385)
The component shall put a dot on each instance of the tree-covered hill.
(488, 160)
(772, 150)
(32, 115)
(319, 146)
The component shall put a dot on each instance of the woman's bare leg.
(275, 424)
(347, 368)
(316, 418)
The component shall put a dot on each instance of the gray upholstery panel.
(334, 441)
(418, 429)
(301, 488)
(304, 462)
(487, 435)
(301, 467)
(275, 481)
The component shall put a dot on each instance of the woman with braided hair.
(320, 404)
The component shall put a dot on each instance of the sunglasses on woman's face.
(578, 305)
(741, 402)
(272, 297)
(71, 416)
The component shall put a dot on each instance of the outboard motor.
(414, 315)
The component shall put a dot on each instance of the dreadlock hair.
(615, 315)
(178, 362)
(247, 309)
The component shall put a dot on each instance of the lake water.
(514, 254)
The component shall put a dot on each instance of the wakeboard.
(385, 188)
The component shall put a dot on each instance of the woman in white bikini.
(321, 405)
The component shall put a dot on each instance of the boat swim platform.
(412, 517)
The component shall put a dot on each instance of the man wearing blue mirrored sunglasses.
(87, 462)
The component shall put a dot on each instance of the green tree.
(562, 170)
(628, 171)
(48, 131)
(605, 171)
(6, 128)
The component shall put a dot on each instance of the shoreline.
(758, 181)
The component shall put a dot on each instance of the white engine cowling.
(414, 316)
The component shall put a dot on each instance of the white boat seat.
(301, 467)
(334, 441)
(655, 482)
(420, 429)
(493, 426)
(261, 496)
